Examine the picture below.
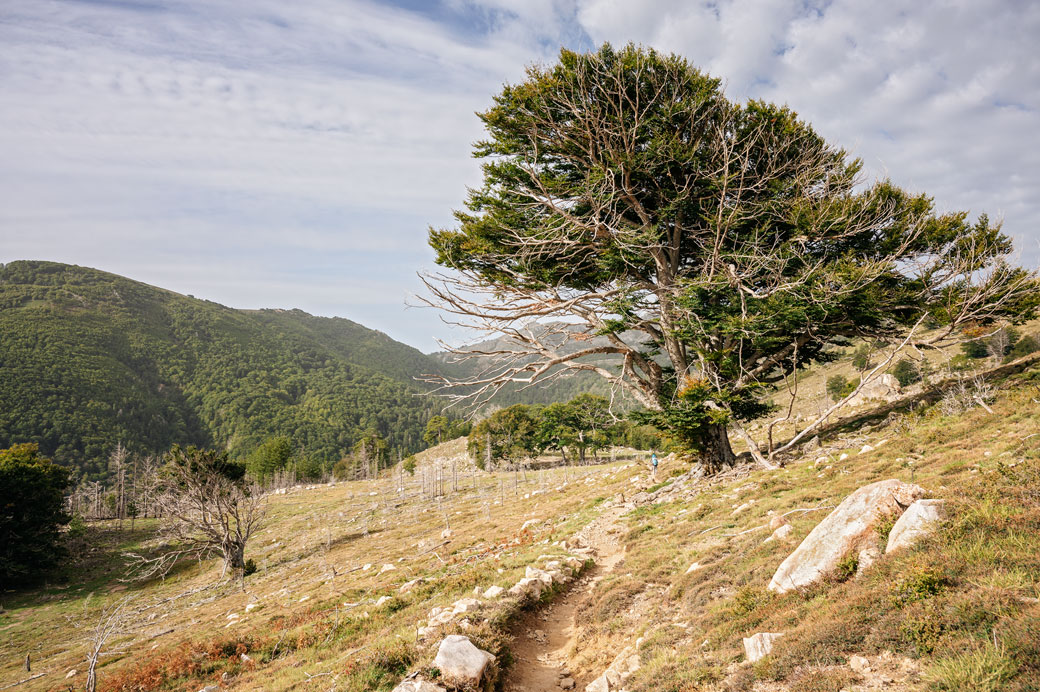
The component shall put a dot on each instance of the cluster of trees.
(206, 502)
(443, 428)
(720, 248)
(90, 358)
(578, 427)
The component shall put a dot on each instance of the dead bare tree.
(112, 620)
(207, 509)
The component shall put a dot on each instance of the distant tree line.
(575, 429)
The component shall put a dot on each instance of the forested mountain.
(89, 359)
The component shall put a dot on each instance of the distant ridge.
(89, 359)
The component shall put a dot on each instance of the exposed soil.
(543, 640)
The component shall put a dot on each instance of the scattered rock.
(859, 664)
(494, 592)
(916, 522)
(409, 585)
(759, 645)
(693, 568)
(777, 521)
(851, 527)
(251, 607)
(446, 533)
(621, 669)
(210, 688)
(461, 663)
(71, 674)
(781, 534)
(418, 686)
(387, 568)
(530, 523)
(567, 683)
(465, 605)
(865, 448)
(382, 600)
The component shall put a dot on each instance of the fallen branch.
(20, 682)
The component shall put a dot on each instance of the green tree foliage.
(507, 436)
(32, 512)
(269, 458)
(718, 246)
(409, 464)
(581, 424)
(90, 358)
(906, 372)
(442, 428)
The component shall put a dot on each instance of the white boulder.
(494, 592)
(850, 528)
(759, 645)
(917, 521)
(461, 663)
(418, 686)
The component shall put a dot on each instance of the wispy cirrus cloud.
(292, 154)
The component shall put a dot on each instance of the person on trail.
(653, 462)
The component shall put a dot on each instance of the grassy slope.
(958, 610)
(302, 626)
(961, 606)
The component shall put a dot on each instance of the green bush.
(861, 357)
(1023, 347)
(976, 348)
(906, 372)
(839, 387)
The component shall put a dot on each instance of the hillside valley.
(89, 359)
(652, 583)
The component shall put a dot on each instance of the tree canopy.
(32, 512)
(720, 247)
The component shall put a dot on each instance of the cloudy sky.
(263, 153)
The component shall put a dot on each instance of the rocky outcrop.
(850, 529)
(884, 388)
(916, 522)
(621, 669)
(462, 664)
(759, 645)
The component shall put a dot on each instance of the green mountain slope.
(89, 359)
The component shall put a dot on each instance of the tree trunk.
(717, 454)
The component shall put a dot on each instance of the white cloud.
(257, 153)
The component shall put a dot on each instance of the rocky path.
(544, 638)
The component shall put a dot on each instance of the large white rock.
(418, 686)
(466, 605)
(494, 591)
(461, 663)
(885, 388)
(759, 645)
(850, 528)
(916, 522)
(528, 586)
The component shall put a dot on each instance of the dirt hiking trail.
(544, 638)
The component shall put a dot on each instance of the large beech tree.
(630, 211)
